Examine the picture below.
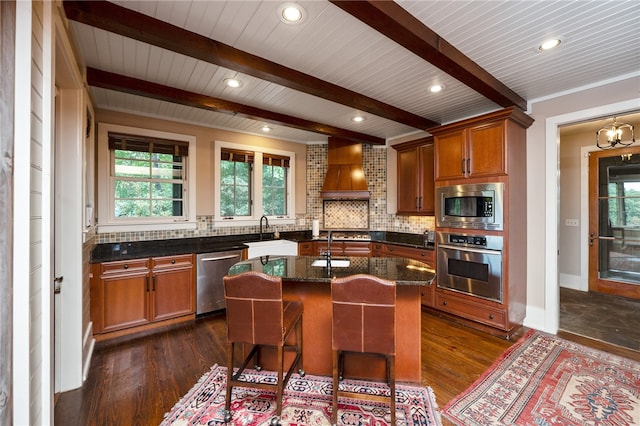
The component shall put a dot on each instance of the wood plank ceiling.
(169, 59)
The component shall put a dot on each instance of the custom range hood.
(345, 178)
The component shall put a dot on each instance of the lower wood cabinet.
(472, 308)
(423, 255)
(338, 248)
(132, 295)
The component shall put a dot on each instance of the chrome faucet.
(266, 224)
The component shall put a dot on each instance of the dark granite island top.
(300, 269)
(310, 284)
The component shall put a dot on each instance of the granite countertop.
(108, 252)
(299, 268)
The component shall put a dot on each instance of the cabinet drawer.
(124, 266)
(422, 255)
(185, 260)
(464, 307)
(357, 249)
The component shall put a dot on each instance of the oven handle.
(469, 249)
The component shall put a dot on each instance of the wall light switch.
(571, 222)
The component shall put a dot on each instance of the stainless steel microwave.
(470, 206)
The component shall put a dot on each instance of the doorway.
(595, 315)
(614, 222)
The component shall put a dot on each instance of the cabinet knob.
(490, 316)
(444, 303)
(423, 254)
(173, 261)
(126, 266)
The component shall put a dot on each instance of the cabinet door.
(305, 248)
(172, 293)
(450, 155)
(486, 150)
(172, 287)
(426, 176)
(408, 181)
(125, 301)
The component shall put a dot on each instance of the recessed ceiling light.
(436, 88)
(291, 13)
(266, 128)
(358, 119)
(233, 82)
(549, 44)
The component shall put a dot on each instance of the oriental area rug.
(307, 401)
(544, 380)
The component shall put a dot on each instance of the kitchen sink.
(335, 263)
(273, 248)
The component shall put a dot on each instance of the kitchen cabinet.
(306, 248)
(415, 165)
(133, 295)
(420, 254)
(172, 287)
(339, 248)
(472, 308)
(489, 149)
(481, 146)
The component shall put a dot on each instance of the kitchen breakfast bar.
(306, 278)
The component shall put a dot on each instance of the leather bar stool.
(257, 316)
(364, 308)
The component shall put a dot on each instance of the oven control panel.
(472, 240)
(488, 242)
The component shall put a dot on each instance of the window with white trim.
(146, 181)
(251, 182)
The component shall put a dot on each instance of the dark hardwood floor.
(135, 381)
(606, 317)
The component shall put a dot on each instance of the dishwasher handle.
(211, 259)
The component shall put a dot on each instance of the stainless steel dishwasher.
(211, 268)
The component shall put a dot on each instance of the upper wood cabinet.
(479, 147)
(416, 177)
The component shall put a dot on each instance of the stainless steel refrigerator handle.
(472, 250)
(205, 259)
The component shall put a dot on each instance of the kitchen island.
(311, 285)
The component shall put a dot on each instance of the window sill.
(227, 223)
(133, 227)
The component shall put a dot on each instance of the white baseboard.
(571, 281)
(536, 319)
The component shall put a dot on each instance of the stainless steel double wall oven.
(468, 261)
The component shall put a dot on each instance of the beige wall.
(205, 138)
(572, 146)
(542, 185)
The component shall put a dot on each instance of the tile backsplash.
(346, 214)
(351, 214)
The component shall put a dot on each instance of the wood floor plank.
(136, 380)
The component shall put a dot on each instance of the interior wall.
(31, 290)
(7, 63)
(205, 138)
(575, 144)
(543, 185)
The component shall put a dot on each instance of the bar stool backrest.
(254, 308)
(364, 314)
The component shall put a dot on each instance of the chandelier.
(614, 135)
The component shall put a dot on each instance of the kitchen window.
(253, 181)
(147, 180)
